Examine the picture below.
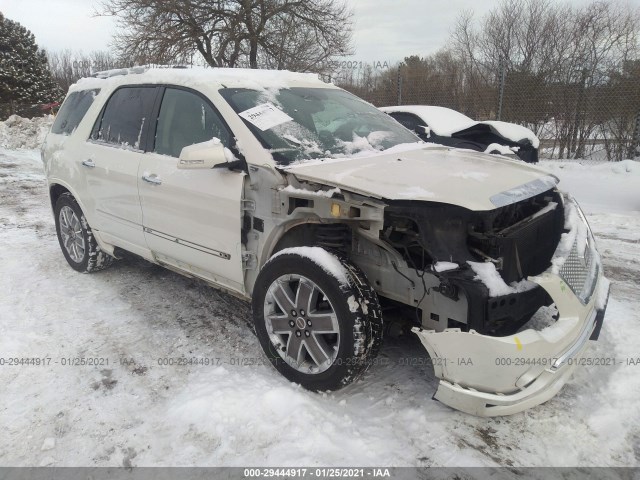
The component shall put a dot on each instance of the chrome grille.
(580, 272)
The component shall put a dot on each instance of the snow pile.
(599, 188)
(17, 132)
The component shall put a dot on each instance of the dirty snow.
(353, 304)
(237, 410)
(17, 132)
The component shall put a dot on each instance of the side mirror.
(202, 155)
(423, 130)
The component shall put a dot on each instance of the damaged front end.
(491, 272)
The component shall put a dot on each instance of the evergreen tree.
(25, 77)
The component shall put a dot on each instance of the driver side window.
(186, 118)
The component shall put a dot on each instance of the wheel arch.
(294, 233)
(55, 191)
(57, 188)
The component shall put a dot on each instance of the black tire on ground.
(92, 258)
(354, 304)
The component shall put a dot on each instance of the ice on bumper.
(490, 376)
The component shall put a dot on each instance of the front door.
(191, 218)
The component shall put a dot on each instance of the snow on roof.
(230, 77)
(442, 121)
(445, 122)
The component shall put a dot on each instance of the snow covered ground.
(239, 411)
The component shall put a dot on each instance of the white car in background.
(324, 213)
(447, 127)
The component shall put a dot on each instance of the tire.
(334, 341)
(76, 239)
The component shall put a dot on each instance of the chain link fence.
(27, 110)
(574, 120)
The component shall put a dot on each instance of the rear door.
(191, 218)
(113, 155)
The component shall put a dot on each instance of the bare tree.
(294, 34)
(68, 66)
(557, 59)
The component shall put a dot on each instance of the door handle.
(152, 178)
(89, 163)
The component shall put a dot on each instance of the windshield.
(297, 124)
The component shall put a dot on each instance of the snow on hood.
(445, 122)
(435, 174)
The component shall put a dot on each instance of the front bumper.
(491, 376)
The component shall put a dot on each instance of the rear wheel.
(316, 317)
(76, 239)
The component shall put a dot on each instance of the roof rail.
(134, 70)
(119, 71)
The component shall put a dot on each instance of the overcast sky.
(384, 30)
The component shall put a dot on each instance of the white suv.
(325, 212)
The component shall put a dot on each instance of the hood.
(472, 180)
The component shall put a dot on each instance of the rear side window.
(73, 111)
(125, 117)
(186, 118)
(409, 121)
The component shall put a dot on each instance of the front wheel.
(316, 317)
